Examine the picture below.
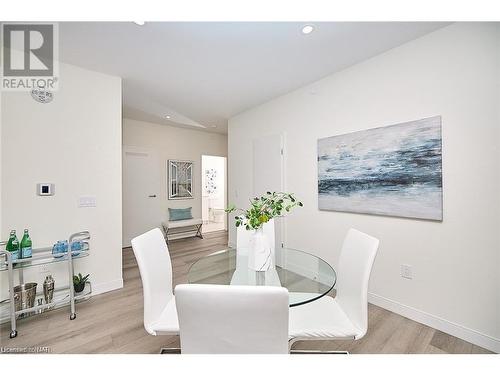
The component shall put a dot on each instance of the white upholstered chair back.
(222, 319)
(355, 265)
(155, 267)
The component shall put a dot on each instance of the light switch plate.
(87, 201)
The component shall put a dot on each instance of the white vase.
(260, 251)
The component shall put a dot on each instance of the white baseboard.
(464, 333)
(107, 286)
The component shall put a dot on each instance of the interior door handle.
(152, 196)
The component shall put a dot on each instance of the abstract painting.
(393, 170)
(180, 179)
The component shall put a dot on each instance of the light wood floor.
(112, 322)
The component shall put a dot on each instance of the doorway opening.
(214, 195)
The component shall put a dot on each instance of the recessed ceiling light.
(140, 23)
(307, 29)
(167, 117)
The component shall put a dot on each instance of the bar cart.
(45, 256)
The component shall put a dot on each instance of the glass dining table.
(306, 276)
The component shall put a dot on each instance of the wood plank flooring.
(112, 322)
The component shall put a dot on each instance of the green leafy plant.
(262, 209)
(79, 282)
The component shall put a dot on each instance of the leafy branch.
(262, 209)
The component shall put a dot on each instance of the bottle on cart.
(48, 289)
(13, 245)
(26, 247)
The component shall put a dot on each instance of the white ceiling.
(203, 73)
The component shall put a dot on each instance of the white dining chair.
(346, 316)
(223, 319)
(155, 267)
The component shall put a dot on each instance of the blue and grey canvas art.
(393, 170)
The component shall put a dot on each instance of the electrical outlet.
(406, 271)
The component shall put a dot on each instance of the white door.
(268, 175)
(142, 209)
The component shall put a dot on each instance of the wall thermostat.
(45, 189)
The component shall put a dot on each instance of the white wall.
(75, 143)
(453, 72)
(1, 207)
(168, 142)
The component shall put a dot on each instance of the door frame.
(283, 181)
(137, 151)
(226, 195)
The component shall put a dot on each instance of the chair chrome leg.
(307, 351)
(299, 351)
(170, 351)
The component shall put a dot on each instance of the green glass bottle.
(13, 245)
(26, 251)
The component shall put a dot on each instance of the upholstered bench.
(176, 227)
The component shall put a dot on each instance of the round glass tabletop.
(306, 276)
